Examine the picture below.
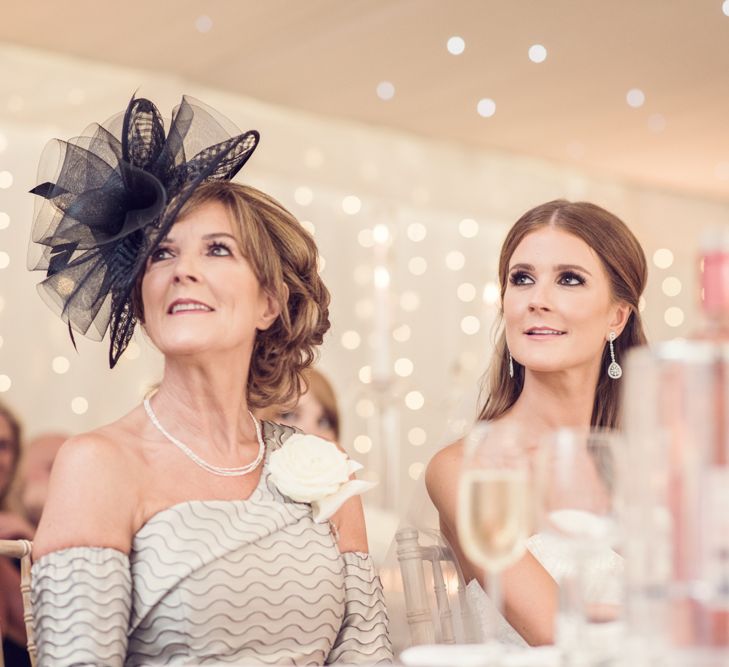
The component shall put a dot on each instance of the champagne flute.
(495, 513)
(580, 532)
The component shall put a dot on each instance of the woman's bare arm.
(92, 497)
(530, 593)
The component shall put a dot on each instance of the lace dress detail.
(254, 581)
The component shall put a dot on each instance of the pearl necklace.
(215, 470)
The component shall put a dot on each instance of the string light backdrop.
(408, 230)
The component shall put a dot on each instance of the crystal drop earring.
(614, 369)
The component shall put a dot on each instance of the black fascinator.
(111, 195)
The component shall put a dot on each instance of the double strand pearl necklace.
(215, 470)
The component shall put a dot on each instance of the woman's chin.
(186, 348)
(545, 366)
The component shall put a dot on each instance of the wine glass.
(496, 511)
(579, 537)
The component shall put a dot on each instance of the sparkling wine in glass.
(495, 513)
(496, 508)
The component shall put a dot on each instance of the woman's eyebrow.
(559, 267)
(206, 237)
(572, 267)
(522, 267)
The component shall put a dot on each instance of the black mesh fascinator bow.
(113, 196)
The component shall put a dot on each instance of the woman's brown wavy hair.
(283, 257)
(625, 265)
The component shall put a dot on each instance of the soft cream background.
(400, 180)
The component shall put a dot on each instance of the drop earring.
(614, 369)
(511, 366)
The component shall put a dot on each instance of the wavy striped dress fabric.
(252, 582)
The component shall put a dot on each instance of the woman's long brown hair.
(625, 265)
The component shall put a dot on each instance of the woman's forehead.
(553, 246)
(208, 218)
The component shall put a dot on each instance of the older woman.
(187, 531)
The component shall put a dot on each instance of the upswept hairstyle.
(283, 257)
(625, 264)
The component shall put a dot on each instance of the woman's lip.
(191, 312)
(544, 332)
(193, 302)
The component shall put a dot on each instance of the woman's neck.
(554, 400)
(203, 401)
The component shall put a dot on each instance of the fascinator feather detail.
(109, 196)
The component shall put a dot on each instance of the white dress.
(603, 574)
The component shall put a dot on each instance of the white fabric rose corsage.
(309, 469)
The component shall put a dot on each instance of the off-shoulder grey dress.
(252, 581)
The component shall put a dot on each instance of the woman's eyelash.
(518, 277)
(572, 276)
(220, 244)
(159, 254)
(163, 252)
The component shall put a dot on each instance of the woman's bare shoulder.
(445, 459)
(110, 451)
(441, 475)
(93, 493)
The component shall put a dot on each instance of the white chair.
(442, 580)
(21, 549)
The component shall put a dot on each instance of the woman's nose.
(186, 269)
(540, 299)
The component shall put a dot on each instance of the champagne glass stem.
(493, 583)
(571, 631)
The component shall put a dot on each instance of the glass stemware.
(579, 535)
(496, 511)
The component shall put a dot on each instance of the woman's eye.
(219, 250)
(520, 278)
(288, 415)
(571, 279)
(159, 254)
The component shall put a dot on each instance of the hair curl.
(625, 264)
(283, 257)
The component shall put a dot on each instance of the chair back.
(21, 549)
(430, 574)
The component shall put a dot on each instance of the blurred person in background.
(12, 527)
(316, 411)
(35, 473)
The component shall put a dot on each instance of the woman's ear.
(271, 310)
(621, 314)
